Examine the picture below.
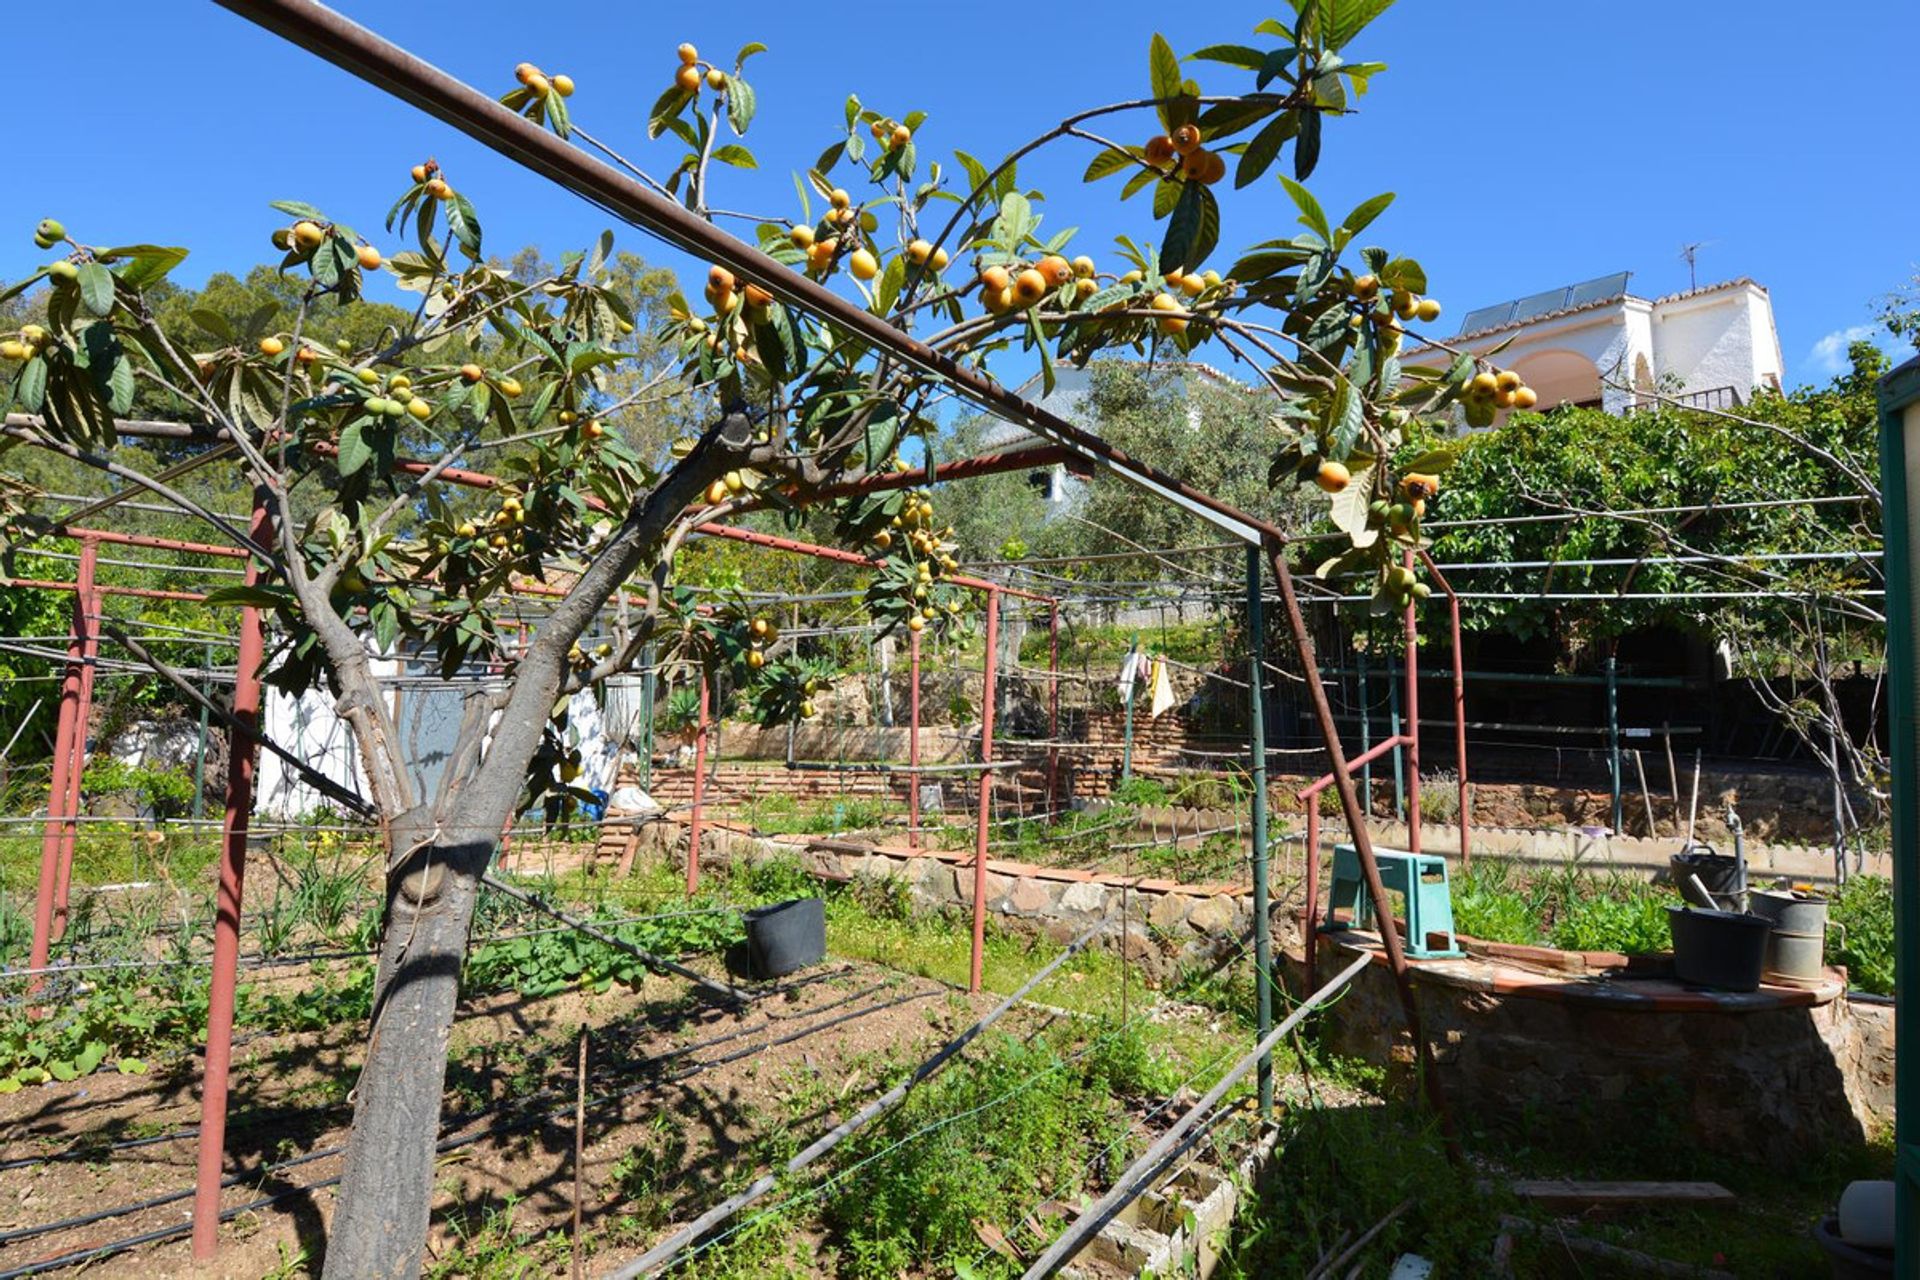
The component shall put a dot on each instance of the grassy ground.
(1025, 1119)
(1340, 1171)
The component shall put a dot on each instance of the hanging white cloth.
(1131, 670)
(1162, 685)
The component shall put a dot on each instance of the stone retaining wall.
(1774, 1077)
(1775, 1084)
(1168, 926)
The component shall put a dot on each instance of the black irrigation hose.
(445, 1145)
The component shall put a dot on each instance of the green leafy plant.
(1014, 1125)
(1863, 906)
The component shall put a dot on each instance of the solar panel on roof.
(1486, 318)
(1539, 304)
(1547, 302)
(1599, 289)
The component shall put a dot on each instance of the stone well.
(1546, 1045)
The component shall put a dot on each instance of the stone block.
(1169, 910)
(1212, 915)
(1084, 898)
(1029, 896)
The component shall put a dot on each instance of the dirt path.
(682, 1097)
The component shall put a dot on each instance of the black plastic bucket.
(1850, 1261)
(1720, 949)
(786, 936)
(1722, 875)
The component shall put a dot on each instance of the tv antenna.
(1691, 252)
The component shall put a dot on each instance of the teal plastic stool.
(1422, 877)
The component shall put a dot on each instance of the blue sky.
(1531, 144)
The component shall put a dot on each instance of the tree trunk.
(380, 1224)
(438, 853)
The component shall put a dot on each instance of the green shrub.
(166, 790)
(1566, 907)
(1003, 1131)
(1139, 791)
(1864, 905)
(1490, 902)
(1633, 922)
(780, 878)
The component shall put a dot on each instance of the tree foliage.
(1674, 466)
(341, 424)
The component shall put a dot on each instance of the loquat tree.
(361, 550)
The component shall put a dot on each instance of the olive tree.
(362, 549)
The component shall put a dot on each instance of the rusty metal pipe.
(241, 754)
(1459, 710)
(983, 819)
(346, 44)
(86, 616)
(1363, 846)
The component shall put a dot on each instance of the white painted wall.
(307, 726)
(1719, 336)
(1722, 338)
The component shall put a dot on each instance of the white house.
(1596, 344)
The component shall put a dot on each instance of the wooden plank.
(1583, 1196)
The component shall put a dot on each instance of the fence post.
(57, 788)
(1613, 735)
(699, 783)
(1413, 726)
(86, 615)
(226, 925)
(986, 794)
(646, 717)
(913, 739)
(1053, 710)
(1393, 723)
(1366, 737)
(1257, 747)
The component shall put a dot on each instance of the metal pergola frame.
(319, 30)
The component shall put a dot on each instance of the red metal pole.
(58, 790)
(241, 751)
(913, 740)
(147, 542)
(1311, 930)
(86, 620)
(143, 593)
(1053, 708)
(699, 786)
(1459, 710)
(1413, 725)
(986, 794)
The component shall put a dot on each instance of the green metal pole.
(1366, 737)
(1257, 746)
(1126, 749)
(1613, 734)
(646, 718)
(200, 755)
(1899, 464)
(1393, 723)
